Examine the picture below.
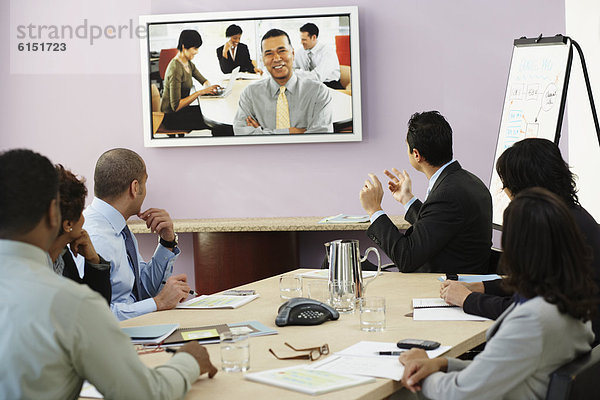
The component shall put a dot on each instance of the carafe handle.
(369, 280)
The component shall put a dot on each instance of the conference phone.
(303, 311)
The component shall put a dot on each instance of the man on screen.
(284, 103)
(316, 60)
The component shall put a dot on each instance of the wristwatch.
(170, 244)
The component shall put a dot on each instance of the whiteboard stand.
(535, 99)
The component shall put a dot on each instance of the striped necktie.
(311, 63)
(133, 261)
(283, 110)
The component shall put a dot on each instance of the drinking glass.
(372, 314)
(290, 286)
(342, 296)
(318, 290)
(235, 352)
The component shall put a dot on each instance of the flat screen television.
(332, 114)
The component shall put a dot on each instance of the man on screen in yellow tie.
(284, 103)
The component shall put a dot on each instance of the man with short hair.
(235, 54)
(284, 103)
(55, 332)
(316, 60)
(137, 286)
(451, 231)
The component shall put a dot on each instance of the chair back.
(577, 379)
(342, 48)
(164, 58)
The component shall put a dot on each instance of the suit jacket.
(97, 279)
(527, 343)
(242, 58)
(451, 232)
(495, 300)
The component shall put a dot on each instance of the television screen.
(251, 77)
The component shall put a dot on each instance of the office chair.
(577, 379)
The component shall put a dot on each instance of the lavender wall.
(452, 56)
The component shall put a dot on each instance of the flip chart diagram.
(533, 104)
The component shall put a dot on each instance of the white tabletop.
(222, 110)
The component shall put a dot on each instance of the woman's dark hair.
(189, 38)
(431, 134)
(233, 30)
(72, 195)
(546, 255)
(537, 162)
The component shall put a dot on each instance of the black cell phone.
(418, 343)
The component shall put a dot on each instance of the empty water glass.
(290, 286)
(342, 296)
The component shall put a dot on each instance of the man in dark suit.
(233, 53)
(451, 231)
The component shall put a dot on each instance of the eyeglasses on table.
(314, 353)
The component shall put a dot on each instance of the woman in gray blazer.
(547, 325)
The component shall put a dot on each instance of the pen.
(191, 291)
(389, 353)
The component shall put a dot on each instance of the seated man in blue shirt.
(284, 103)
(137, 286)
(451, 230)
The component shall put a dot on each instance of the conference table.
(398, 289)
(222, 110)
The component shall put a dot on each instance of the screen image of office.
(336, 33)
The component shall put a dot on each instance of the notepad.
(430, 303)
(306, 380)
(150, 334)
(201, 334)
(217, 301)
(444, 314)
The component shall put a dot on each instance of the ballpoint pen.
(389, 353)
(191, 291)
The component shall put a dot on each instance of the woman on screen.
(176, 99)
(97, 270)
(548, 264)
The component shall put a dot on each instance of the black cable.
(589, 88)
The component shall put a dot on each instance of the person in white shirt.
(55, 332)
(316, 60)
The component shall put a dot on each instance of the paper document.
(362, 359)
(150, 334)
(324, 274)
(251, 328)
(430, 302)
(444, 314)
(370, 349)
(217, 301)
(307, 380)
(345, 219)
(473, 278)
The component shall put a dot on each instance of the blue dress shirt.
(104, 225)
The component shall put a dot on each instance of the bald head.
(115, 170)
